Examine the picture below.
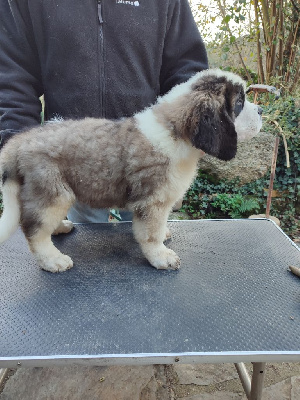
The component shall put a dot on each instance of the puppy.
(144, 163)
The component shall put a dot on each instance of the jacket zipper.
(100, 11)
(101, 60)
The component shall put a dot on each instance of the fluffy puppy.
(144, 163)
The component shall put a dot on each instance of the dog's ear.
(214, 132)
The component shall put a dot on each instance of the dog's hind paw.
(57, 264)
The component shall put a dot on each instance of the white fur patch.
(10, 218)
(182, 155)
(161, 138)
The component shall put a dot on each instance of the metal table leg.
(257, 383)
(3, 374)
(253, 387)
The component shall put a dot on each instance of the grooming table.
(233, 300)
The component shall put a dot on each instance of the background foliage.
(262, 36)
(259, 40)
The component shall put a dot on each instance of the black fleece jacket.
(108, 58)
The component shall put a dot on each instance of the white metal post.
(257, 383)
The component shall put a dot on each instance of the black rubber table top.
(233, 293)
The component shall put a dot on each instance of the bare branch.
(222, 9)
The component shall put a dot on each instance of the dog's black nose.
(259, 110)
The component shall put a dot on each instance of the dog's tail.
(10, 189)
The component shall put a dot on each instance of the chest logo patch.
(130, 3)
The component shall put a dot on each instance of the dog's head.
(219, 114)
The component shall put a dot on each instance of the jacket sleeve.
(184, 50)
(20, 81)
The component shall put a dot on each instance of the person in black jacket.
(97, 58)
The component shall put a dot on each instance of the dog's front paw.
(165, 259)
(57, 264)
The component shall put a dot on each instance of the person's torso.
(99, 58)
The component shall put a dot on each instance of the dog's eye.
(239, 104)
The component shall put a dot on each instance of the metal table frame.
(253, 386)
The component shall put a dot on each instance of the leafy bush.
(210, 198)
(236, 206)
